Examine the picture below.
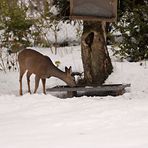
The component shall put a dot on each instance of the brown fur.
(35, 63)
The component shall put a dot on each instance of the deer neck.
(58, 73)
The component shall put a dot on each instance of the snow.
(46, 121)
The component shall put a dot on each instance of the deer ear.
(70, 70)
(66, 69)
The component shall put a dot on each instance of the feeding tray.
(103, 90)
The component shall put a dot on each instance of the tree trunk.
(96, 61)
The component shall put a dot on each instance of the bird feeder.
(100, 10)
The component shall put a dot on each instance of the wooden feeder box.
(102, 10)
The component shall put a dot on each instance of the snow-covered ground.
(46, 121)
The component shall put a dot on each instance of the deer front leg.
(43, 83)
(28, 81)
(20, 80)
(37, 79)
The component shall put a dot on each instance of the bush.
(133, 26)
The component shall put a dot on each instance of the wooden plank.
(115, 87)
(92, 18)
(103, 90)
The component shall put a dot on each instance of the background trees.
(15, 24)
(133, 25)
(27, 23)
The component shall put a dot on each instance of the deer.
(42, 67)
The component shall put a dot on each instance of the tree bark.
(95, 58)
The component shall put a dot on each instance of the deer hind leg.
(43, 83)
(37, 79)
(28, 81)
(22, 71)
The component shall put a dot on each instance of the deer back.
(34, 62)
